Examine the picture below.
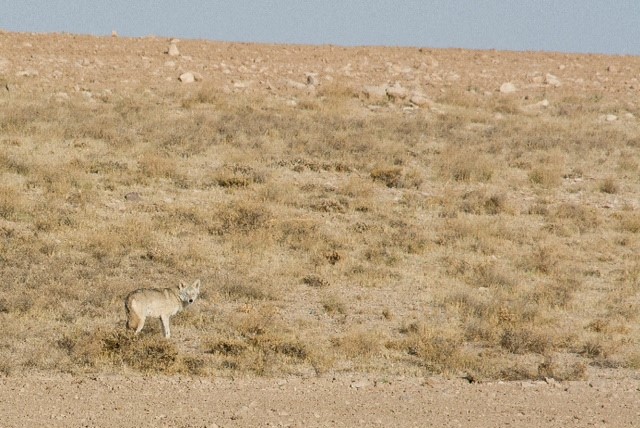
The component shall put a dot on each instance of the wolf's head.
(189, 293)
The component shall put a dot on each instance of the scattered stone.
(312, 79)
(360, 384)
(114, 33)
(419, 100)
(612, 69)
(295, 85)
(508, 88)
(552, 80)
(173, 50)
(242, 85)
(539, 105)
(375, 93)
(133, 197)
(397, 92)
(190, 77)
(29, 72)
(187, 77)
(611, 118)
(538, 79)
(62, 96)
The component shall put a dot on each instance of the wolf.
(159, 303)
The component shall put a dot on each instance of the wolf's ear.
(182, 285)
(196, 284)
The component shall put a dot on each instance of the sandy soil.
(608, 399)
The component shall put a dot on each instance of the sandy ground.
(608, 399)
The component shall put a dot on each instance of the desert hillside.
(393, 211)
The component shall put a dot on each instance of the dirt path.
(67, 401)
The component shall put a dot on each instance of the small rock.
(611, 118)
(295, 85)
(62, 96)
(114, 33)
(612, 69)
(552, 80)
(419, 100)
(397, 92)
(312, 79)
(133, 197)
(29, 72)
(360, 384)
(187, 77)
(173, 50)
(538, 80)
(375, 93)
(539, 105)
(508, 88)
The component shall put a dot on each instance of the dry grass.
(328, 236)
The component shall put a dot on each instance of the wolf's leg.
(140, 324)
(165, 325)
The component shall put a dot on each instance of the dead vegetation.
(470, 237)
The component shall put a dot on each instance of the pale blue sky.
(587, 26)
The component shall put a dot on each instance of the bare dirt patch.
(106, 400)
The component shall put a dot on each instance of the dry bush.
(436, 349)
(477, 202)
(397, 177)
(238, 176)
(258, 341)
(609, 185)
(360, 343)
(238, 287)
(629, 221)
(490, 275)
(546, 176)
(462, 164)
(333, 305)
(153, 165)
(11, 204)
(583, 217)
(115, 348)
(523, 340)
(240, 217)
